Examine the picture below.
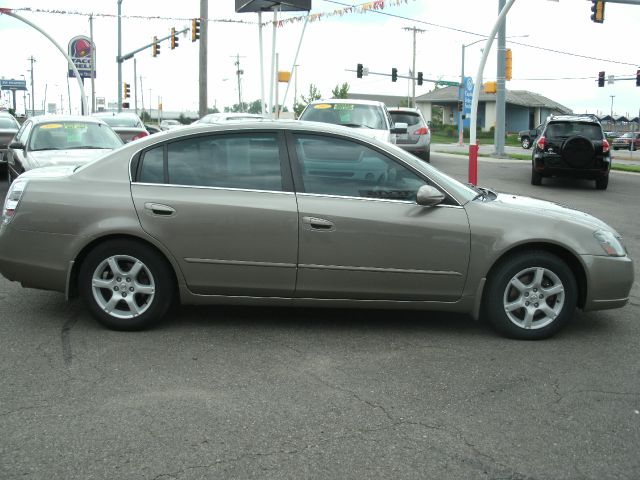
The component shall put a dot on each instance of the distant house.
(524, 109)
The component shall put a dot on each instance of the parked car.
(572, 146)
(369, 116)
(628, 141)
(126, 124)
(528, 137)
(169, 124)
(58, 140)
(227, 117)
(9, 126)
(417, 140)
(301, 213)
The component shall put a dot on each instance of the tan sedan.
(300, 213)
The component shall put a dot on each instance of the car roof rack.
(567, 116)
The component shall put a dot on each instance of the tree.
(341, 91)
(144, 116)
(314, 94)
(213, 109)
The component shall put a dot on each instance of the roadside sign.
(446, 83)
(82, 52)
(7, 84)
(468, 95)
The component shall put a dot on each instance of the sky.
(332, 45)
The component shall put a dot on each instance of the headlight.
(610, 243)
(13, 198)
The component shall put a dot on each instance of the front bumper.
(609, 281)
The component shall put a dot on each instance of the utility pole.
(31, 59)
(500, 87)
(142, 93)
(202, 77)
(239, 73)
(413, 67)
(295, 83)
(93, 66)
(119, 59)
(612, 96)
(135, 85)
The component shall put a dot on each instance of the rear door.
(224, 206)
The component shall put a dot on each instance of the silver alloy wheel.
(123, 286)
(533, 298)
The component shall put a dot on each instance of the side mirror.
(16, 145)
(429, 196)
(399, 128)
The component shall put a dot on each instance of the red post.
(473, 163)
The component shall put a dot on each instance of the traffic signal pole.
(498, 133)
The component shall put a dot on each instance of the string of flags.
(362, 8)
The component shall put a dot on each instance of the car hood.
(65, 157)
(549, 210)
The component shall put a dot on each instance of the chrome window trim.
(243, 263)
(388, 200)
(203, 187)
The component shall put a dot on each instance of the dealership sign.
(82, 53)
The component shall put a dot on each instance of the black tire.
(526, 143)
(602, 183)
(152, 285)
(536, 177)
(538, 272)
(426, 156)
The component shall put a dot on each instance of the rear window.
(121, 121)
(592, 131)
(6, 122)
(409, 118)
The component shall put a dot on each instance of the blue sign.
(468, 95)
(13, 84)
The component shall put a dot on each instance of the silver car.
(306, 214)
(417, 140)
(48, 140)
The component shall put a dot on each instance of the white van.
(371, 117)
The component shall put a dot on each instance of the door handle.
(160, 209)
(314, 223)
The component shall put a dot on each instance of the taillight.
(540, 143)
(421, 131)
(605, 146)
(139, 135)
(13, 199)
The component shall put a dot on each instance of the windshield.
(346, 114)
(73, 135)
(116, 121)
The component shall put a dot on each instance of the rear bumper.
(554, 165)
(609, 281)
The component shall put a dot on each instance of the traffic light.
(359, 70)
(601, 79)
(507, 64)
(174, 38)
(156, 47)
(126, 90)
(195, 29)
(125, 104)
(638, 78)
(420, 79)
(597, 8)
(394, 74)
(459, 105)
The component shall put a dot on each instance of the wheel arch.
(564, 254)
(72, 282)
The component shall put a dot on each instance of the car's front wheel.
(525, 142)
(126, 285)
(530, 296)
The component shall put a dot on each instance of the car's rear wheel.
(536, 177)
(530, 296)
(426, 156)
(602, 183)
(126, 285)
(525, 142)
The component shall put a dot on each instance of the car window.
(349, 114)
(409, 118)
(118, 121)
(23, 134)
(334, 166)
(6, 122)
(246, 161)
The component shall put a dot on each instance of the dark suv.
(572, 146)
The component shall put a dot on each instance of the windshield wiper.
(87, 147)
(356, 125)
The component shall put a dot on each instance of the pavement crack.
(65, 337)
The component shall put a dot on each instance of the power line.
(459, 30)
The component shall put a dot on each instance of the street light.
(461, 90)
